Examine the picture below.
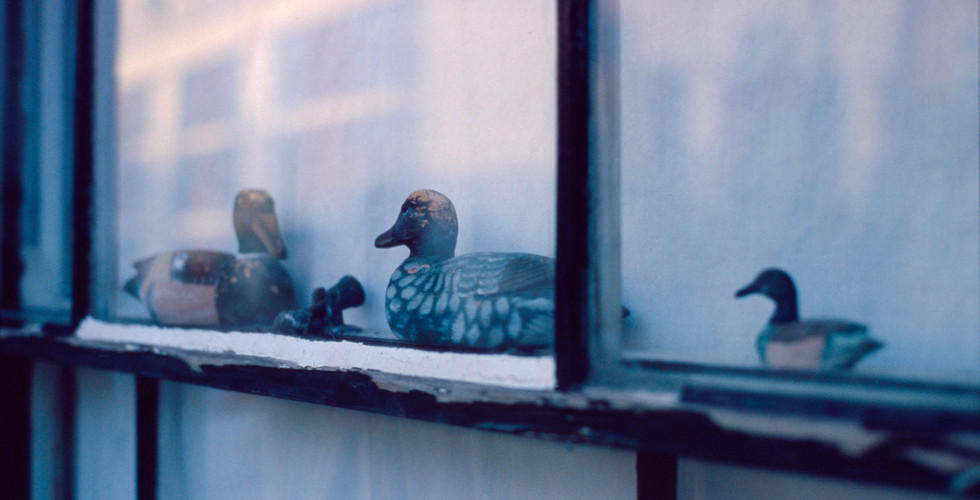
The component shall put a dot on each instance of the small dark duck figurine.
(203, 287)
(788, 342)
(491, 301)
(325, 316)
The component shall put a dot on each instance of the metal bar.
(147, 435)
(84, 129)
(11, 140)
(572, 287)
(656, 475)
(68, 397)
(15, 426)
(15, 371)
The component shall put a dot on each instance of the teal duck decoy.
(789, 342)
(205, 288)
(491, 301)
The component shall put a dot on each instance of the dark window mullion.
(12, 71)
(84, 134)
(147, 436)
(15, 371)
(572, 288)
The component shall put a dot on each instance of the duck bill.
(387, 239)
(266, 229)
(749, 290)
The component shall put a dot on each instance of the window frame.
(597, 399)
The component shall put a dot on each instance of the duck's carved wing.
(844, 350)
(192, 267)
(200, 266)
(486, 274)
(814, 328)
(185, 266)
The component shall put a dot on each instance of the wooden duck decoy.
(789, 342)
(491, 301)
(204, 287)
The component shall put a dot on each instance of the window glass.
(836, 142)
(338, 112)
(45, 141)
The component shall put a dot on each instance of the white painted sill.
(499, 370)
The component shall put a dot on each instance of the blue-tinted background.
(837, 140)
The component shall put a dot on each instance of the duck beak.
(386, 239)
(266, 229)
(748, 290)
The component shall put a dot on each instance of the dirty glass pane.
(835, 141)
(42, 145)
(334, 113)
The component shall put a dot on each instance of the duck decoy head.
(426, 225)
(773, 283)
(256, 224)
(778, 286)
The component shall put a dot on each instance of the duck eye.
(404, 208)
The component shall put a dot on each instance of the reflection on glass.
(836, 141)
(337, 111)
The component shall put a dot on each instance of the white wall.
(105, 455)
(47, 446)
(228, 445)
(220, 444)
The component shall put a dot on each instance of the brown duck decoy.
(204, 287)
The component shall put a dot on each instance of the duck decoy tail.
(845, 351)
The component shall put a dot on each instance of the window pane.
(834, 141)
(340, 111)
(45, 141)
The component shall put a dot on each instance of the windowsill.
(514, 394)
(499, 370)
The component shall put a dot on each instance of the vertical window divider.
(12, 57)
(84, 137)
(588, 314)
(147, 436)
(573, 262)
(607, 311)
(16, 372)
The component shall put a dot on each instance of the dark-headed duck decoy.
(788, 342)
(491, 301)
(204, 287)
